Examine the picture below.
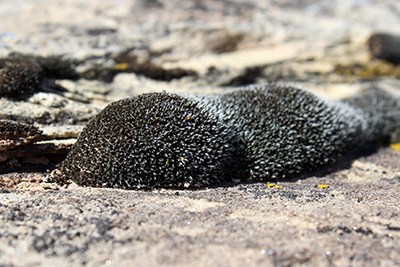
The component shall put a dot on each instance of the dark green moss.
(287, 130)
(251, 134)
(56, 67)
(19, 78)
(381, 111)
(154, 140)
(21, 75)
(11, 129)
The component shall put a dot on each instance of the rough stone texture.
(318, 45)
(355, 222)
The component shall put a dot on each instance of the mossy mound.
(11, 129)
(21, 75)
(252, 134)
(287, 130)
(19, 78)
(154, 140)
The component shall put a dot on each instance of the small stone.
(49, 186)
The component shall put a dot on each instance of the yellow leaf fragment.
(323, 186)
(395, 146)
(121, 66)
(274, 185)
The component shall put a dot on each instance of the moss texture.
(18, 78)
(381, 111)
(21, 75)
(11, 129)
(252, 134)
(154, 140)
(287, 130)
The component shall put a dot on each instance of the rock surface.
(128, 47)
(355, 222)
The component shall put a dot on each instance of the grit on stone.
(346, 214)
(354, 222)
